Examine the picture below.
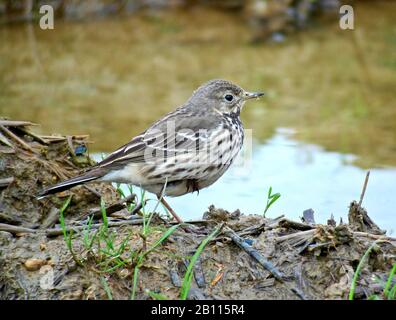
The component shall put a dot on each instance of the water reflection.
(306, 175)
(112, 78)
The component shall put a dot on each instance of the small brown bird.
(186, 150)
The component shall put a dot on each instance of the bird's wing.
(168, 138)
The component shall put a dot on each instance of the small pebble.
(124, 273)
(34, 264)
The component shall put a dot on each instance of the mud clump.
(250, 257)
(29, 163)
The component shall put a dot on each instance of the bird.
(185, 151)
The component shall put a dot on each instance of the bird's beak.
(252, 95)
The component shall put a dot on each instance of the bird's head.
(222, 96)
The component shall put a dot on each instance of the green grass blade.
(389, 281)
(135, 279)
(87, 230)
(359, 268)
(392, 293)
(104, 215)
(119, 190)
(106, 288)
(271, 199)
(189, 273)
(166, 234)
(66, 204)
(62, 217)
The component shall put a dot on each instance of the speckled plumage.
(187, 149)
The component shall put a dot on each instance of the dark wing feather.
(162, 139)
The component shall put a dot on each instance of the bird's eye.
(229, 97)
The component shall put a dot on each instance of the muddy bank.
(250, 257)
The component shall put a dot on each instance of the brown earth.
(280, 259)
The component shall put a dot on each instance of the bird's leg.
(189, 229)
(168, 207)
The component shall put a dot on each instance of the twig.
(245, 232)
(204, 221)
(374, 236)
(251, 230)
(138, 207)
(119, 205)
(17, 139)
(285, 223)
(58, 231)
(262, 261)
(274, 223)
(8, 219)
(33, 135)
(15, 229)
(296, 234)
(51, 139)
(93, 191)
(69, 140)
(51, 218)
(254, 253)
(364, 188)
(11, 123)
(6, 182)
(5, 141)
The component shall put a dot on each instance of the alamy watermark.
(187, 148)
(347, 18)
(47, 19)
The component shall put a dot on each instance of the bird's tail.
(65, 185)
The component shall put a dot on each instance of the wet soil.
(251, 257)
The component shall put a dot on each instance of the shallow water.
(333, 88)
(305, 175)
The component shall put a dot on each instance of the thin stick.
(15, 229)
(51, 139)
(117, 206)
(93, 191)
(286, 223)
(255, 254)
(168, 207)
(34, 136)
(6, 181)
(17, 139)
(193, 222)
(59, 231)
(5, 141)
(262, 261)
(69, 140)
(373, 236)
(296, 234)
(11, 123)
(364, 188)
(137, 208)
